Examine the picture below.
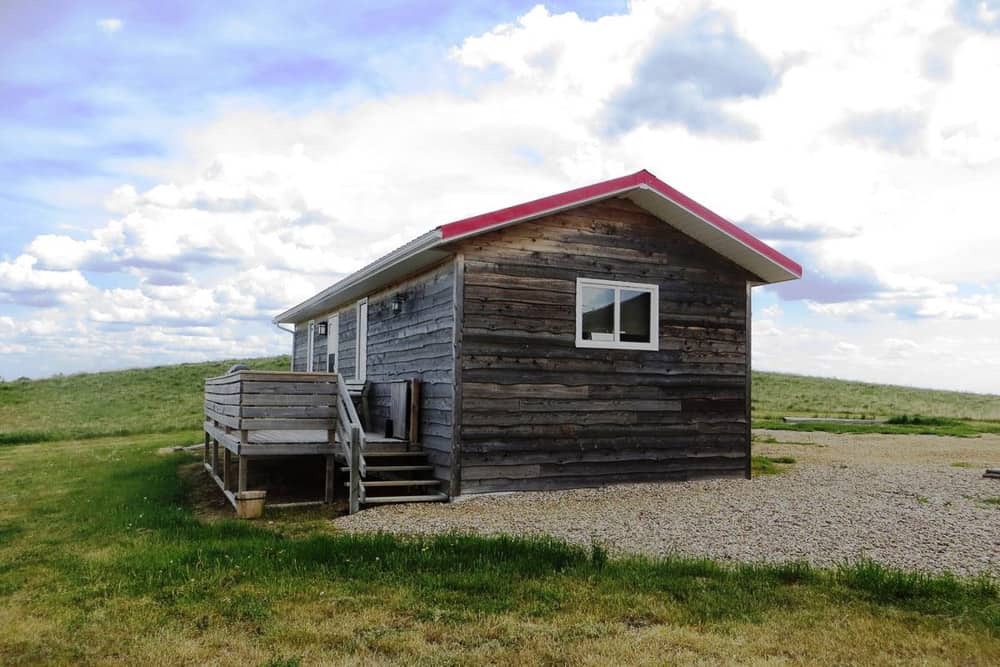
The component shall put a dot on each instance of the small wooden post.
(241, 477)
(226, 465)
(331, 474)
(355, 465)
(205, 455)
(215, 456)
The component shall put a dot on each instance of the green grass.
(102, 555)
(131, 402)
(770, 465)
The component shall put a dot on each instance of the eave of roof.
(642, 187)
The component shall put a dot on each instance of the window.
(361, 351)
(617, 315)
(311, 346)
(332, 343)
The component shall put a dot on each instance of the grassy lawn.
(102, 559)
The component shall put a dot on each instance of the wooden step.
(435, 497)
(398, 482)
(386, 453)
(372, 469)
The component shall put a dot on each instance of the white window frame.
(333, 342)
(617, 344)
(311, 346)
(361, 341)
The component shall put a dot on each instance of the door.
(333, 344)
(311, 346)
(361, 367)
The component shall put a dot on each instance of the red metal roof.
(642, 188)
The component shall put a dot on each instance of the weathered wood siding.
(348, 341)
(300, 346)
(416, 342)
(538, 412)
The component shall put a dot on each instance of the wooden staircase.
(397, 476)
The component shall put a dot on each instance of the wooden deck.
(265, 414)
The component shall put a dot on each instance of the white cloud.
(772, 312)
(265, 206)
(22, 283)
(110, 25)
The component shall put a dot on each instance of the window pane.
(635, 316)
(598, 313)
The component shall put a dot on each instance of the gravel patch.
(919, 516)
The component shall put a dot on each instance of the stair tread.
(405, 468)
(381, 453)
(429, 498)
(400, 482)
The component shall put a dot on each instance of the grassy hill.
(161, 399)
(166, 399)
(777, 394)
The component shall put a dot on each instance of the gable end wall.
(539, 413)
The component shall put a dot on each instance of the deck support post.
(241, 477)
(215, 456)
(331, 473)
(208, 442)
(227, 482)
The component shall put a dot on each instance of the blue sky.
(172, 174)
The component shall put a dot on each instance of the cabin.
(592, 337)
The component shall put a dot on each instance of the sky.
(172, 175)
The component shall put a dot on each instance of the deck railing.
(274, 410)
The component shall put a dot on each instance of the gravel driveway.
(896, 499)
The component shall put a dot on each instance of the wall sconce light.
(321, 328)
(398, 300)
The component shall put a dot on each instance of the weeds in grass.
(961, 464)
(993, 501)
(294, 661)
(770, 465)
(919, 420)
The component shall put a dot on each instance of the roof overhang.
(642, 188)
(420, 253)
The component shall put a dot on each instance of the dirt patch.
(207, 501)
(204, 496)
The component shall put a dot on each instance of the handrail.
(352, 441)
(352, 414)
